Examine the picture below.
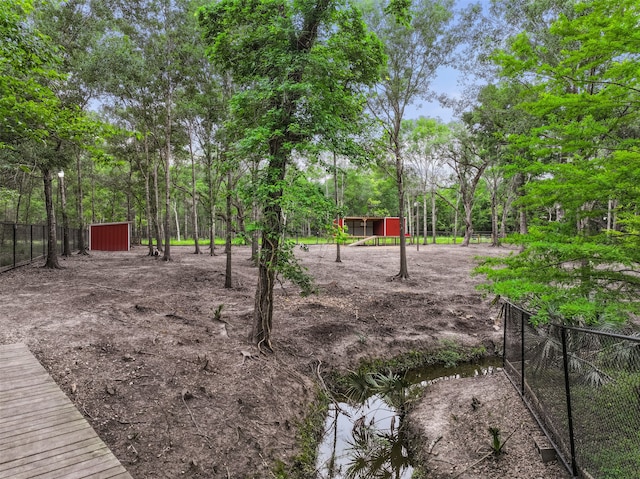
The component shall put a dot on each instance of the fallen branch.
(102, 286)
(87, 412)
(326, 389)
(433, 444)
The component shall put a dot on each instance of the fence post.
(15, 234)
(522, 352)
(506, 314)
(565, 360)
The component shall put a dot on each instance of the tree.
(468, 160)
(576, 267)
(281, 55)
(426, 141)
(416, 46)
(36, 123)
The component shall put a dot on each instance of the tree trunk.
(434, 219)
(468, 222)
(93, 194)
(175, 213)
(167, 192)
(404, 270)
(212, 204)
(82, 246)
(455, 219)
(52, 240)
(506, 208)
(255, 234)
(425, 219)
(495, 241)
(335, 195)
(263, 312)
(147, 195)
(519, 186)
(66, 247)
(212, 232)
(268, 258)
(194, 198)
(410, 221)
(156, 209)
(227, 275)
(255, 213)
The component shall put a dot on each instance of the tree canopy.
(582, 265)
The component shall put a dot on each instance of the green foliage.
(377, 454)
(448, 353)
(290, 269)
(341, 233)
(567, 278)
(580, 155)
(298, 68)
(304, 204)
(28, 107)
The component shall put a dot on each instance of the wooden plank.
(363, 241)
(61, 462)
(19, 383)
(80, 470)
(8, 348)
(18, 366)
(60, 452)
(48, 397)
(42, 434)
(16, 453)
(35, 415)
(44, 409)
(47, 433)
(27, 391)
(39, 423)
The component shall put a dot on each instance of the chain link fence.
(583, 387)
(21, 244)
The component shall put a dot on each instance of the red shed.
(373, 225)
(110, 237)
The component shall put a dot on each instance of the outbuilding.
(110, 236)
(366, 226)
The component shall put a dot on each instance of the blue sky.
(447, 81)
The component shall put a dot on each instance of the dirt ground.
(133, 342)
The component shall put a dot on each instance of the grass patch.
(448, 354)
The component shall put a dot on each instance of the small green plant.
(217, 314)
(496, 444)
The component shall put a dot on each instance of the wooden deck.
(42, 434)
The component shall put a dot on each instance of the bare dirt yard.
(133, 342)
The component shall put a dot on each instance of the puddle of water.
(369, 437)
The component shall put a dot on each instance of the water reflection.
(364, 441)
(369, 440)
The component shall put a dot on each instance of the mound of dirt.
(134, 343)
(453, 421)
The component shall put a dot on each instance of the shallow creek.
(368, 440)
